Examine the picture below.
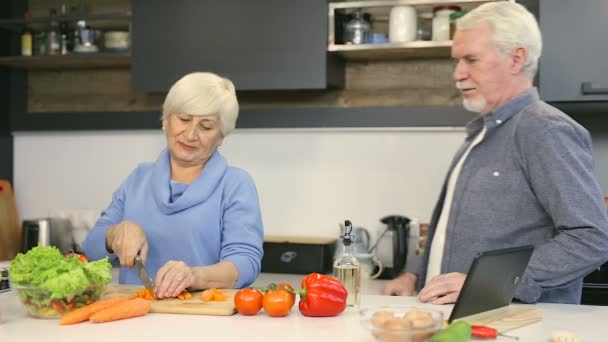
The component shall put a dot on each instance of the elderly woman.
(194, 220)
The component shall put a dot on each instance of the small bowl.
(401, 323)
(40, 304)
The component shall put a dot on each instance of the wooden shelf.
(392, 51)
(74, 61)
(107, 20)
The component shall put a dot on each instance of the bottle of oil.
(347, 268)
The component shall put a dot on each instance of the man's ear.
(518, 60)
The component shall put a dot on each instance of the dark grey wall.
(6, 140)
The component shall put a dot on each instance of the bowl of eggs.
(401, 323)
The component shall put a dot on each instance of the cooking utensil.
(192, 306)
(143, 274)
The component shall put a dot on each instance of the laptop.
(491, 281)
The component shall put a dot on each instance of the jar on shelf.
(453, 18)
(358, 28)
(441, 21)
(402, 24)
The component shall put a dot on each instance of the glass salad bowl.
(39, 302)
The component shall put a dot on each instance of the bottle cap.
(348, 237)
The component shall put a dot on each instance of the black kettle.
(399, 227)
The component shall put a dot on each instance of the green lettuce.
(47, 269)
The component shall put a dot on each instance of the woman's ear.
(164, 123)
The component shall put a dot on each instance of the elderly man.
(524, 174)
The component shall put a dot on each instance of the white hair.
(513, 27)
(204, 93)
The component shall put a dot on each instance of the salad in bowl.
(50, 284)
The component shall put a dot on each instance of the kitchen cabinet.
(573, 64)
(259, 45)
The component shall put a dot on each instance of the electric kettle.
(392, 245)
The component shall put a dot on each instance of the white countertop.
(589, 322)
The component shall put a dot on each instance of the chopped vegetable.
(213, 295)
(145, 294)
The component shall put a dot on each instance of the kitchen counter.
(587, 321)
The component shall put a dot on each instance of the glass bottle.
(347, 268)
(53, 38)
(27, 37)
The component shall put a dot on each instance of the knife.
(143, 274)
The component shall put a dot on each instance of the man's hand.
(127, 239)
(443, 289)
(404, 285)
(173, 278)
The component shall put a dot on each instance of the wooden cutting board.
(10, 232)
(192, 306)
(507, 318)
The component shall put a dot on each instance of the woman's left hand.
(173, 278)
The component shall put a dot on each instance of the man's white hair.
(204, 93)
(513, 26)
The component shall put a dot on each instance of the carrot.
(219, 296)
(132, 308)
(184, 295)
(82, 314)
(207, 295)
(213, 295)
(145, 294)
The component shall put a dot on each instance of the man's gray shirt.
(529, 181)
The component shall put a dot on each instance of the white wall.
(308, 180)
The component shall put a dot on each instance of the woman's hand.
(127, 239)
(404, 285)
(173, 278)
(443, 289)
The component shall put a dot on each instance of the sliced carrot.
(132, 308)
(184, 295)
(213, 294)
(219, 296)
(207, 295)
(82, 314)
(145, 294)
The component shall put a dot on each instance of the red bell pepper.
(481, 331)
(322, 296)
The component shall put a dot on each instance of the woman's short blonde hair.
(204, 93)
(513, 26)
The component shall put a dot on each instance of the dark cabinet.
(259, 45)
(573, 64)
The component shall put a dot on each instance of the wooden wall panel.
(372, 84)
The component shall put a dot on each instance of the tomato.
(57, 305)
(80, 257)
(289, 289)
(248, 301)
(277, 303)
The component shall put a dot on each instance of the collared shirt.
(436, 251)
(529, 181)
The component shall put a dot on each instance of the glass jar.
(357, 30)
(441, 21)
(453, 18)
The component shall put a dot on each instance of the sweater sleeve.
(558, 161)
(242, 232)
(95, 242)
